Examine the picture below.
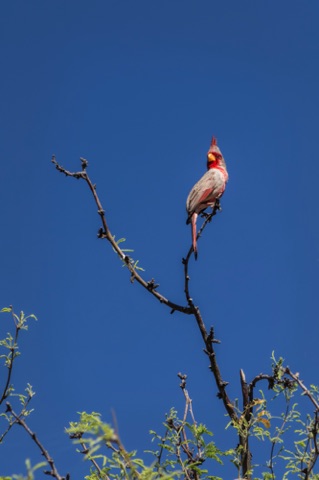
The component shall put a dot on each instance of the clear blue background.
(138, 88)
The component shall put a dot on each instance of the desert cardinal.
(208, 189)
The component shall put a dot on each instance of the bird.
(208, 189)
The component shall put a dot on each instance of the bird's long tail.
(194, 234)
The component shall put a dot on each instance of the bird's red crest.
(214, 141)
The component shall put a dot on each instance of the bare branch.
(185, 260)
(295, 377)
(106, 234)
(258, 378)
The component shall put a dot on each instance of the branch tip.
(183, 378)
(84, 163)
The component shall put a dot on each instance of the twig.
(280, 432)
(124, 454)
(295, 377)
(188, 403)
(185, 260)
(182, 444)
(189, 408)
(121, 449)
(13, 349)
(178, 455)
(53, 472)
(259, 378)
(86, 451)
(159, 455)
(20, 415)
(188, 400)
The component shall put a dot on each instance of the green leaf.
(6, 309)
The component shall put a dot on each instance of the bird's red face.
(214, 155)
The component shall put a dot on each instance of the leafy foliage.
(180, 452)
(9, 345)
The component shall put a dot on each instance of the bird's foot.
(218, 205)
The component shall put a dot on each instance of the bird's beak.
(211, 157)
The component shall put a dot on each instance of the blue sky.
(139, 88)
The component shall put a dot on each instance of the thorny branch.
(53, 472)
(185, 261)
(106, 233)
(295, 377)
